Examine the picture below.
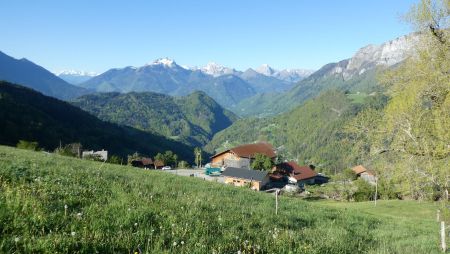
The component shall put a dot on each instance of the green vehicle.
(212, 171)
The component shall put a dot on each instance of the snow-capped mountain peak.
(166, 62)
(216, 70)
(265, 69)
(76, 73)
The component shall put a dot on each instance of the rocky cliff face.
(371, 56)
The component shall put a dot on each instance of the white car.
(166, 168)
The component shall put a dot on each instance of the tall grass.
(50, 203)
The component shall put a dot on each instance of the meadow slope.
(112, 208)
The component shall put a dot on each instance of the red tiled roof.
(296, 171)
(359, 169)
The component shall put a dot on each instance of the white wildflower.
(65, 207)
(182, 242)
(16, 239)
(73, 233)
(135, 224)
(174, 244)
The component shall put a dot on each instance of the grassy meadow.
(55, 204)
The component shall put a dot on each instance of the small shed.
(241, 177)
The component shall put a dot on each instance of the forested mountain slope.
(192, 119)
(29, 115)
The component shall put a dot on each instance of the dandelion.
(16, 239)
(65, 207)
(79, 214)
(73, 233)
(239, 252)
(174, 244)
(135, 224)
(182, 242)
(173, 225)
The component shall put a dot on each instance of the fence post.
(276, 202)
(443, 243)
(438, 215)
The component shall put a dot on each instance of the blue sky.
(98, 35)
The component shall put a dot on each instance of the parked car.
(167, 168)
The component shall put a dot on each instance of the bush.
(28, 145)
(364, 192)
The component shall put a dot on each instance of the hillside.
(29, 74)
(58, 204)
(192, 119)
(311, 133)
(28, 115)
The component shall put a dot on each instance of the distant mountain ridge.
(75, 77)
(225, 85)
(29, 74)
(192, 119)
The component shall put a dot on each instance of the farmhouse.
(242, 177)
(301, 174)
(241, 156)
(365, 174)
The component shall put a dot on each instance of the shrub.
(28, 145)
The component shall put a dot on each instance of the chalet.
(365, 174)
(242, 156)
(241, 177)
(143, 163)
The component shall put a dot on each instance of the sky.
(101, 34)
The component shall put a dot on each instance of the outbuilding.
(256, 179)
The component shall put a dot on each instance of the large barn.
(241, 156)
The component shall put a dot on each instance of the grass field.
(54, 204)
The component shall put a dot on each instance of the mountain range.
(356, 74)
(225, 85)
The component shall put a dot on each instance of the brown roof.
(296, 171)
(250, 150)
(359, 169)
(147, 161)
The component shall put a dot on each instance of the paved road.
(200, 173)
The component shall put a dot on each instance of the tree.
(114, 159)
(134, 156)
(262, 162)
(415, 119)
(198, 156)
(183, 164)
